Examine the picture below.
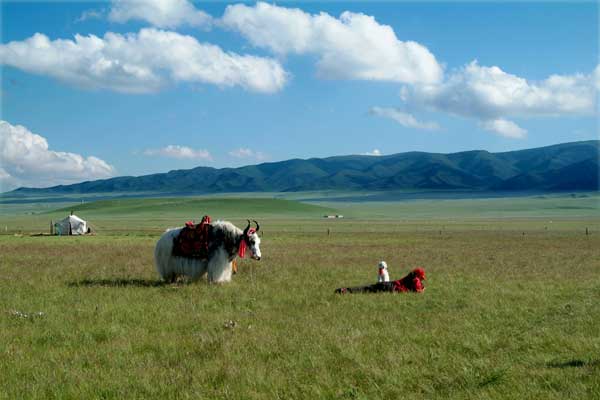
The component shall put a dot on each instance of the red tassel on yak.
(243, 245)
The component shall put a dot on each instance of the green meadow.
(511, 309)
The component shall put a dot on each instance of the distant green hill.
(190, 206)
(568, 166)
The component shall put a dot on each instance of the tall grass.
(504, 315)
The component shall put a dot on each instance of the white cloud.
(489, 93)
(4, 175)
(159, 13)
(90, 14)
(27, 161)
(247, 153)
(181, 152)
(405, 119)
(142, 62)
(354, 46)
(375, 152)
(504, 128)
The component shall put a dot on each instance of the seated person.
(382, 272)
(413, 282)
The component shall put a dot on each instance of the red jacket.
(411, 282)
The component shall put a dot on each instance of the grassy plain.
(511, 308)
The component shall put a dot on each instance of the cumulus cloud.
(247, 153)
(489, 93)
(353, 46)
(180, 152)
(492, 95)
(142, 62)
(159, 13)
(403, 118)
(375, 152)
(504, 128)
(28, 161)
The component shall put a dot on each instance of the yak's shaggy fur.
(224, 242)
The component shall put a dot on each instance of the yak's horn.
(247, 228)
(257, 225)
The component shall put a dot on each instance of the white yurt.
(72, 225)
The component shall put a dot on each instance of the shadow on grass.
(574, 364)
(122, 283)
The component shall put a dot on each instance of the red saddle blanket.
(192, 241)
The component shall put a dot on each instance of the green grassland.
(539, 206)
(154, 215)
(540, 212)
(511, 308)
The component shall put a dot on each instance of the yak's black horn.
(247, 228)
(257, 225)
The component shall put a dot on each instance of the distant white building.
(333, 216)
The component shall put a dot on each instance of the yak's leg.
(195, 269)
(378, 287)
(219, 267)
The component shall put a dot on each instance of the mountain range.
(567, 166)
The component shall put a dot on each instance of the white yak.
(225, 243)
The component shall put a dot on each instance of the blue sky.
(437, 77)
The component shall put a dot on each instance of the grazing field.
(130, 216)
(511, 310)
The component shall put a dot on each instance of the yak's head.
(250, 236)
